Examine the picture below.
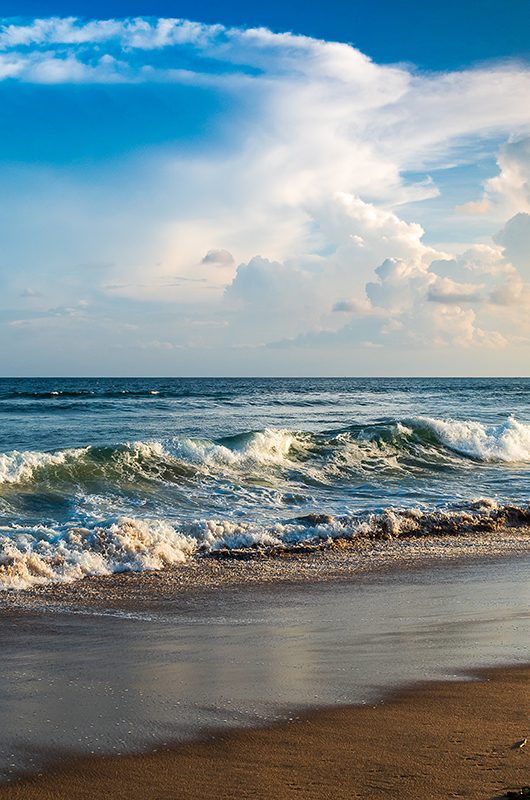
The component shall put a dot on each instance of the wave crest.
(507, 442)
(420, 443)
(20, 467)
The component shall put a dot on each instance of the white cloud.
(475, 207)
(307, 165)
(512, 186)
(508, 192)
(428, 300)
(131, 33)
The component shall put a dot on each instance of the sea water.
(110, 475)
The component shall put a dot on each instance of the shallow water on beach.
(128, 680)
(111, 475)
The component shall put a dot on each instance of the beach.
(256, 689)
(257, 588)
(436, 740)
(309, 564)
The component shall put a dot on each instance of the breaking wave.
(418, 443)
(171, 461)
(20, 467)
(508, 442)
(38, 555)
(146, 505)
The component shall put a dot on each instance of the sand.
(435, 740)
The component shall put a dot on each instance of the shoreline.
(162, 665)
(342, 561)
(428, 740)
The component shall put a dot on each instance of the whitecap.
(507, 442)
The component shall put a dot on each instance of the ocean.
(104, 475)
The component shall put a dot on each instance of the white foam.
(260, 453)
(361, 454)
(33, 556)
(17, 467)
(267, 447)
(24, 466)
(148, 450)
(507, 442)
(37, 555)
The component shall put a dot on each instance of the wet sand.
(149, 663)
(432, 741)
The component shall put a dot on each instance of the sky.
(256, 189)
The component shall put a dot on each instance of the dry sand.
(436, 740)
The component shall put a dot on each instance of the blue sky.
(265, 189)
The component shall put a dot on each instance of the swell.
(32, 556)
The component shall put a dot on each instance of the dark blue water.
(101, 475)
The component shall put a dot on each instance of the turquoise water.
(109, 475)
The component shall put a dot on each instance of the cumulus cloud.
(514, 287)
(429, 300)
(295, 219)
(271, 296)
(445, 290)
(508, 192)
(221, 257)
(514, 238)
(351, 306)
(512, 184)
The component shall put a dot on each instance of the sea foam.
(34, 556)
(18, 467)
